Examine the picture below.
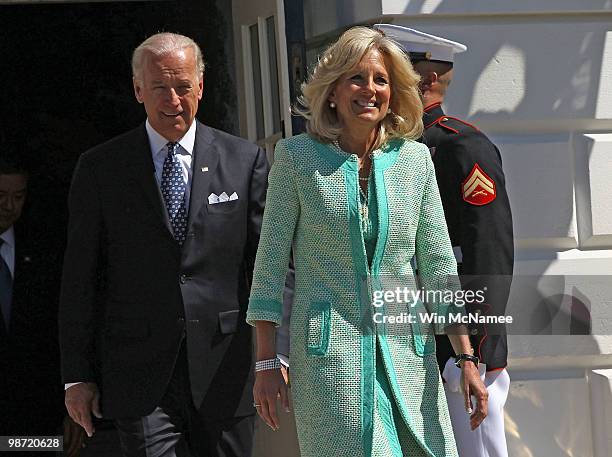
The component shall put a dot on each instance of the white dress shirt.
(159, 151)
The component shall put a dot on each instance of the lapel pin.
(204, 169)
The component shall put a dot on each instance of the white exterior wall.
(537, 78)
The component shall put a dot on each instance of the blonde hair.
(162, 44)
(404, 119)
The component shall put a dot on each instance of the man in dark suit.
(30, 401)
(163, 231)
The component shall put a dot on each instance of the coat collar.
(383, 158)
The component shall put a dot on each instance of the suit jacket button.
(183, 279)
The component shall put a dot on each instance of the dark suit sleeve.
(257, 202)
(78, 298)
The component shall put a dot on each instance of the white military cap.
(421, 45)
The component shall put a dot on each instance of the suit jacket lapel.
(205, 161)
(143, 171)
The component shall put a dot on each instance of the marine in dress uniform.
(472, 186)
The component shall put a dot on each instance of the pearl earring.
(332, 105)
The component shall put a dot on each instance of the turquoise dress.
(359, 390)
(389, 427)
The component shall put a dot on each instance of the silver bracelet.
(270, 364)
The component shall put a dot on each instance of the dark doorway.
(67, 84)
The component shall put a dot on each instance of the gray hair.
(162, 44)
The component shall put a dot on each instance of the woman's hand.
(269, 385)
(471, 384)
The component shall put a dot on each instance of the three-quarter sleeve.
(277, 231)
(434, 253)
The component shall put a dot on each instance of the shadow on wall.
(528, 70)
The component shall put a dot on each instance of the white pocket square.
(222, 198)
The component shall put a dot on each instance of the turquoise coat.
(313, 204)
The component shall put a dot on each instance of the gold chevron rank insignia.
(478, 188)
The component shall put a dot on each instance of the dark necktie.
(173, 190)
(6, 289)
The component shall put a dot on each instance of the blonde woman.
(357, 198)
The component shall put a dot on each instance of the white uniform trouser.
(489, 439)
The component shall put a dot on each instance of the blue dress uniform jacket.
(473, 191)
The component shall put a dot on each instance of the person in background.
(473, 190)
(337, 195)
(163, 230)
(30, 392)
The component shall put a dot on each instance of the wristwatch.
(460, 357)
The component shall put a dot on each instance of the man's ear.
(201, 86)
(429, 80)
(137, 90)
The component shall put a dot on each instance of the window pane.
(255, 58)
(276, 111)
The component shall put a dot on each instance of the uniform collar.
(432, 113)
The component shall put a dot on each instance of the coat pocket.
(317, 336)
(423, 336)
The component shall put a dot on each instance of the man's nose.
(173, 97)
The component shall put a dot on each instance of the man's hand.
(74, 436)
(83, 400)
(473, 385)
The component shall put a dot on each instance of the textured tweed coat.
(313, 203)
